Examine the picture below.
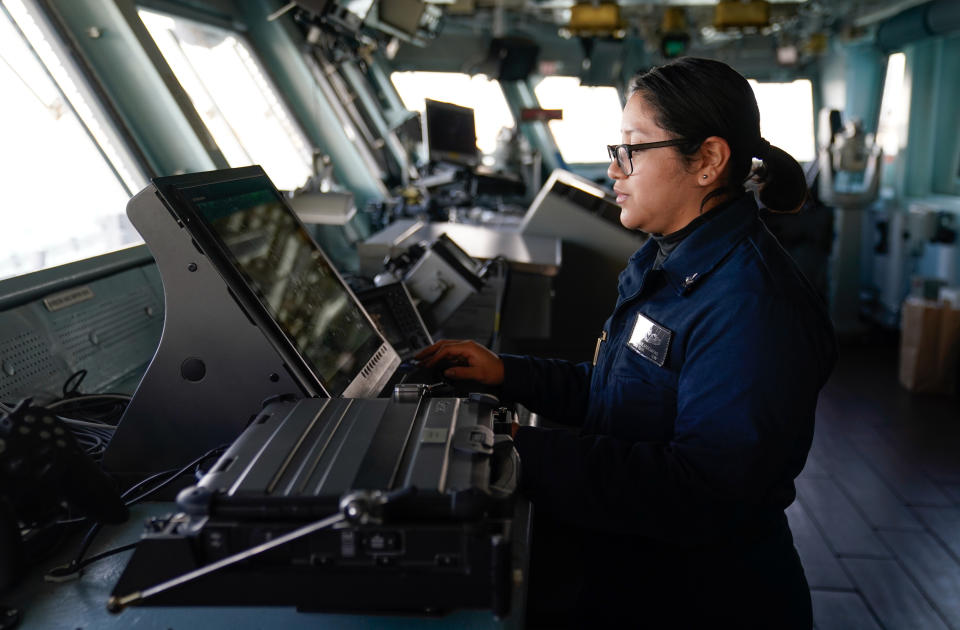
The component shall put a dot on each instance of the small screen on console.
(291, 278)
(451, 132)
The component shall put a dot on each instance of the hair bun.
(783, 182)
(762, 149)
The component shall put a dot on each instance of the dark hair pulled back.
(696, 98)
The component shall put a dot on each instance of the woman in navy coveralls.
(698, 410)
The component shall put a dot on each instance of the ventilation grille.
(103, 325)
(371, 365)
(24, 361)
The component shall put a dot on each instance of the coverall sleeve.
(745, 408)
(556, 389)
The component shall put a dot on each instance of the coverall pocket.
(640, 409)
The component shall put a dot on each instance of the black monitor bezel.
(462, 262)
(470, 159)
(172, 192)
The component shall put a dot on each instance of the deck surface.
(877, 520)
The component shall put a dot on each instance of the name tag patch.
(650, 340)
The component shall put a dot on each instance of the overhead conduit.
(940, 17)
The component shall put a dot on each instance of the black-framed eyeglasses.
(622, 154)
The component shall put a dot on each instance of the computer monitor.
(280, 278)
(410, 131)
(450, 133)
(580, 211)
(596, 248)
(402, 15)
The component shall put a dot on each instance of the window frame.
(58, 60)
(482, 144)
(101, 111)
(238, 30)
(601, 144)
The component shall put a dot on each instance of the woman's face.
(661, 195)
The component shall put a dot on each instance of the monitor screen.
(402, 15)
(410, 131)
(450, 133)
(593, 199)
(460, 260)
(255, 233)
(582, 213)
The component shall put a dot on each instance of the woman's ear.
(714, 156)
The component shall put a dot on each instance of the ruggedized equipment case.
(445, 544)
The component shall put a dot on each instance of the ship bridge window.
(591, 118)
(482, 94)
(233, 97)
(894, 109)
(786, 116)
(68, 174)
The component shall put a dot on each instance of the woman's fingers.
(469, 360)
(456, 351)
(433, 348)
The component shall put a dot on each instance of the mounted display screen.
(450, 132)
(247, 222)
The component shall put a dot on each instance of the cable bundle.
(93, 419)
(73, 569)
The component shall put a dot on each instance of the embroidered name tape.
(650, 340)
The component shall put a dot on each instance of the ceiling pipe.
(879, 15)
(939, 17)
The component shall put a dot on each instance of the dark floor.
(877, 521)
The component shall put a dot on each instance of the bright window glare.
(63, 201)
(482, 94)
(894, 108)
(786, 116)
(591, 118)
(232, 95)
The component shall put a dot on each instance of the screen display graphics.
(289, 276)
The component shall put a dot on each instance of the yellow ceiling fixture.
(589, 19)
(817, 43)
(741, 14)
(674, 20)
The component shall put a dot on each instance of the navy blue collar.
(667, 243)
(697, 255)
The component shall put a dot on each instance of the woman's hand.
(466, 360)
